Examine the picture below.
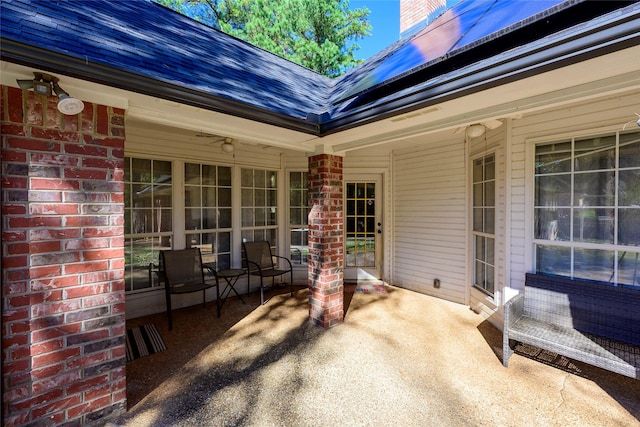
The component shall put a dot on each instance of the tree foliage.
(318, 34)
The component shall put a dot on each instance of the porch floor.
(399, 359)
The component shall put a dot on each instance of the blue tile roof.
(141, 46)
(150, 40)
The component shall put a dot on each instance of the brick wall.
(63, 299)
(413, 12)
(326, 288)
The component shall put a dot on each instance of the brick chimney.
(417, 14)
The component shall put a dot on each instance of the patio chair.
(183, 274)
(259, 261)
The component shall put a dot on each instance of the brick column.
(63, 298)
(326, 251)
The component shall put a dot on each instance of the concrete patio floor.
(399, 359)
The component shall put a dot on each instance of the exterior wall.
(63, 303)
(494, 141)
(596, 116)
(176, 146)
(430, 218)
(416, 13)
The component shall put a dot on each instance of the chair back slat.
(258, 253)
(183, 266)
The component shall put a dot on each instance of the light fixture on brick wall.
(46, 84)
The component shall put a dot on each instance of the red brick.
(102, 163)
(14, 261)
(42, 310)
(54, 159)
(85, 173)
(47, 372)
(55, 408)
(53, 209)
(13, 156)
(56, 135)
(102, 232)
(102, 254)
(46, 271)
(55, 332)
(46, 347)
(86, 290)
(54, 234)
(48, 246)
(14, 236)
(55, 382)
(14, 367)
(87, 384)
(45, 196)
(87, 118)
(86, 267)
(54, 184)
(14, 182)
(55, 357)
(85, 150)
(31, 144)
(15, 105)
(90, 360)
(17, 248)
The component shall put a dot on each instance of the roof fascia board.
(589, 43)
(31, 56)
(618, 84)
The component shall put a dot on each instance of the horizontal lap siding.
(429, 217)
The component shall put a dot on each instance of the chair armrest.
(249, 270)
(513, 309)
(286, 259)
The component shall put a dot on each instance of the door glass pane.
(360, 225)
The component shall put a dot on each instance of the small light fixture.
(45, 84)
(475, 130)
(227, 146)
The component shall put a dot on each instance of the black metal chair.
(259, 261)
(183, 273)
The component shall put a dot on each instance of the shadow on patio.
(400, 358)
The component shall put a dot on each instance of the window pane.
(192, 196)
(208, 196)
(224, 176)
(209, 218)
(490, 194)
(247, 198)
(629, 227)
(141, 170)
(489, 219)
(489, 168)
(478, 198)
(478, 219)
(224, 197)
(553, 158)
(593, 225)
(225, 218)
(629, 188)
(191, 174)
(247, 218)
(593, 264)
(595, 153)
(247, 177)
(477, 170)
(553, 260)
(208, 175)
(272, 179)
(192, 219)
(594, 189)
(630, 150)
(553, 190)
(629, 268)
(552, 224)
(260, 179)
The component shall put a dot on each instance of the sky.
(385, 20)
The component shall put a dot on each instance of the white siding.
(430, 219)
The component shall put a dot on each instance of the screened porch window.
(259, 205)
(587, 208)
(207, 213)
(147, 218)
(298, 217)
(484, 190)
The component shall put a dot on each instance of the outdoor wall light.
(45, 84)
(227, 146)
(476, 130)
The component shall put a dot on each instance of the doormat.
(143, 341)
(371, 288)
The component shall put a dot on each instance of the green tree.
(318, 34)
